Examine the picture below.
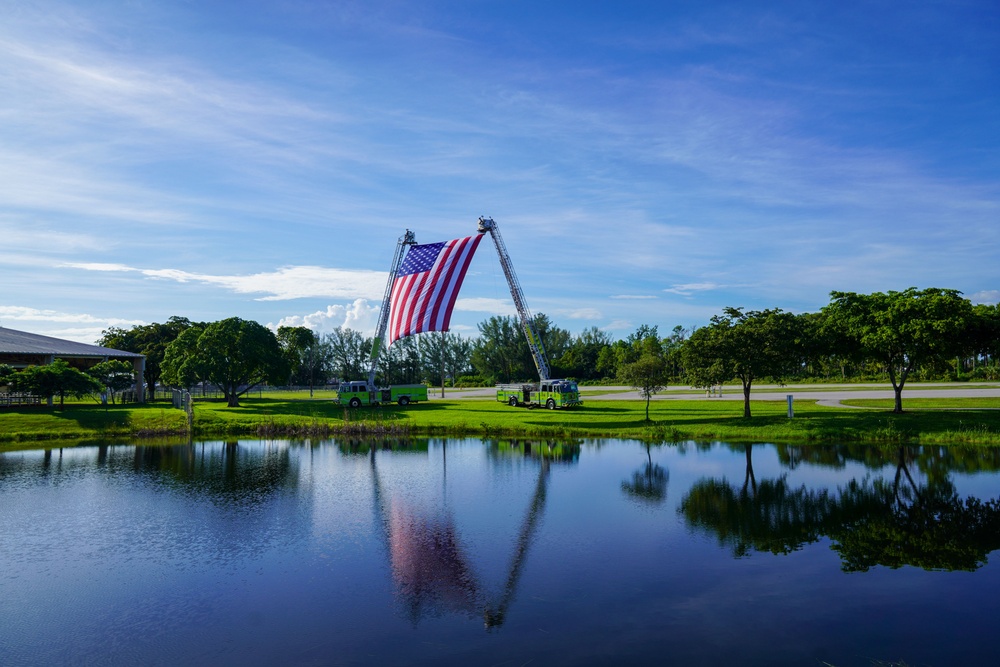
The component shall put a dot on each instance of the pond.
(499, 552)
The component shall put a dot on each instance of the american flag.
(425, 289)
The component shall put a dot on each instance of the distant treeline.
(931, 334)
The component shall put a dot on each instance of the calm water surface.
(498, 553)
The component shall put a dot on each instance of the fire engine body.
(548, 392)
(358, 393)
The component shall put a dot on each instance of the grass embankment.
(76, 421)
(670, 421)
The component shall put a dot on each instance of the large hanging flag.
(425, 289)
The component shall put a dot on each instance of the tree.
(986, 339)
(747, 345)
(401, 363)
(901, 330)
(649, 483)
(613, 358)
(150, 340)
(443, 355)
(181, 364)
(580, 360)
(300, 347)
(647, 374)
(114, 374)
(499, 351)
(349, 353)
(57, 378)
(233, 354)
(672, 346)
(7, 374)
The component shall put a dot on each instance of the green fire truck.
(551, 394)
(548, 392)
(356, 394)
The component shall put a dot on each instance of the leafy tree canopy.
(56, 379)
(901, 330)
(234, 354)
(747, 345)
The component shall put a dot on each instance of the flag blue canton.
(420, 258)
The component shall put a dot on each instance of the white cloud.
(290, 282)
(24, 314)
(688, 289)
(633, 296)
(986, 296)
(486, 305)
(80, 327)
(617, 325)
(360, 316)
(580, 313)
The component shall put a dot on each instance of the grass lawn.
(927, 403)
(87, 420)
(669, 421)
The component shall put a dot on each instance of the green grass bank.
(939, 421)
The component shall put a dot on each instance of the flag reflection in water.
(431, 570)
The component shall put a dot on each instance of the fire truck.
(358, 393)
(549, 393)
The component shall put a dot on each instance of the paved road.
(830, 395)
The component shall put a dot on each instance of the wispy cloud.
(80, 327)
(633, 297)
(990, 296)
(26, 314)
(485, 305)
(292, 282)
(690, 288)
(579, 313)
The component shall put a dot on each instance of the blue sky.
(646, 162)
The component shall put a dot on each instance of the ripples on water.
(463, 552)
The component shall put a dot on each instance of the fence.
(8, 400)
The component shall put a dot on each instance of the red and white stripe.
(424, 301)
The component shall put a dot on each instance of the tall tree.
(298, 345)
(181, 365)
(234, 354)
(401, 362)
(443, 355)
(499, 352)
(986, 339)
(901, 330)
(747, 345)
(150, 340)
(580, 360)
(349, 353)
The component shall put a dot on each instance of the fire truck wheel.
(512, 401)
(550, 404)
(404, 400)
(355, 403)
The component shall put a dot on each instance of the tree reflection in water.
(649, 483)
(869, 522)
(432, 571)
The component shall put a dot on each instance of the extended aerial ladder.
(408, 238)
(550, 393)
(357, 393)
(487, 225)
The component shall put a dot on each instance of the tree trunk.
(898, 388)
(746, 399)
(647, 407)
(749, 478)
